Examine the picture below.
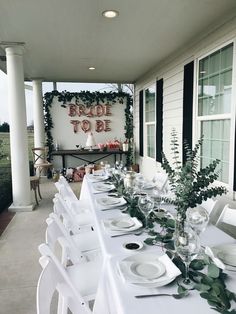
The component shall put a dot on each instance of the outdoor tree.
(5, 127)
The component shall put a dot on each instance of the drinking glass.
(187, 246)
(139, 183)
(157, 196)
(146, 205)
(197, 218)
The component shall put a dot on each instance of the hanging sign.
(90, 112)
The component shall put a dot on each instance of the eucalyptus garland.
(209, 280)
(89, 98)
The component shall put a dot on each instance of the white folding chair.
(228, 216)
(66, 191)
(77, 220)
(76, 285)
(80, 246)
(160, 179)
(208, 205)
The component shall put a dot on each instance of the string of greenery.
(89, 98)
(209, 280)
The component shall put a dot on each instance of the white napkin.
(215, 260)
(171, 272)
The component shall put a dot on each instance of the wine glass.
(187, 246)
(197, 218)
(139, 183)
(146, 205)
(157, 196)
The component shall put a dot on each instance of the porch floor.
(19, 267)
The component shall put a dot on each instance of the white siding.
(171, 70)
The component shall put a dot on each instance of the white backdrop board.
(63, 130)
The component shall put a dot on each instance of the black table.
(81, 154)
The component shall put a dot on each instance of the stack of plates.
(102, 187)
(107, 202)
(226, 253)
(148, 270)
(97, 177)
(122, 224)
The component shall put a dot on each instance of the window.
(150, 123)
(214, 108)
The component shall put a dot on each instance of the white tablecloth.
(117, 297)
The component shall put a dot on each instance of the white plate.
(148, 270)
(103, 187)
(133, 271)
(110, 202)
(122, 223)
(97, 178)
(226, 253)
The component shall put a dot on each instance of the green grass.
(6, 147)
(5, 168)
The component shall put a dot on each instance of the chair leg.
(35, 195)
(39, 192)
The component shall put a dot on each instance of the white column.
(39, 135)
(18, 130)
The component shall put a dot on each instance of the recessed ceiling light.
(110, 14)
(91, 68)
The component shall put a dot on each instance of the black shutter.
(234, 184)
(159, 120)
(188, 105)
(141, 123)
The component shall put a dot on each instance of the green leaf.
(197, 264)
(202, 287)
(149, 241)
(213, 271)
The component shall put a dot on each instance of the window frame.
(231, 115)
(146, 124)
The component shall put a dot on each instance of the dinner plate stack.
(122, 224)
(148, 270)
(108, 202)
(101, 187)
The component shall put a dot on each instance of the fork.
(155, 295)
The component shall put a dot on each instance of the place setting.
(109, 202)
(101, 187)
(97, 177)
(121, 225)
(147, 270)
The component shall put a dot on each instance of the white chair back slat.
(209, 205)
(160, 179)
(228, 216)
(55, 278)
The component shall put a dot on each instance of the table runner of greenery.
(209, 280)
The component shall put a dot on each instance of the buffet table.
(81, 154)
(115, 296)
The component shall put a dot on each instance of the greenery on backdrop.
(90, 98)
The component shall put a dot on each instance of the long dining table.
(117, 296)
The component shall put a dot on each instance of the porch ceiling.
(63, 38)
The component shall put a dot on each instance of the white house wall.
(172, 70)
